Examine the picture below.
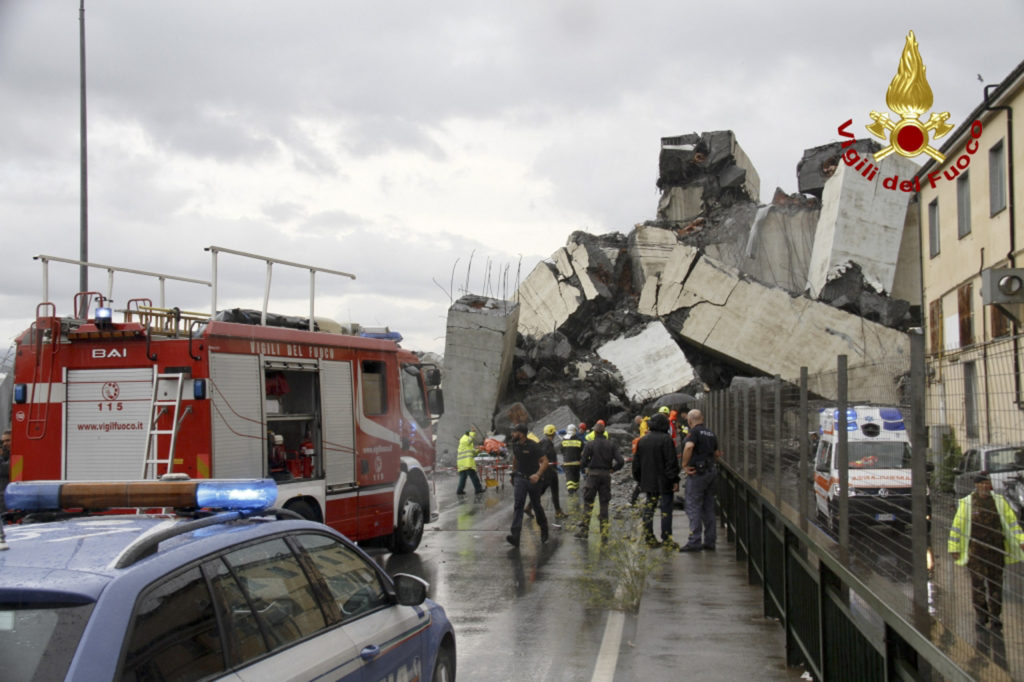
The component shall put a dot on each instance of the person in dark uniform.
(549, 480)
(572, 447)
(600, 459)
(528, 467)
(700, 451)
(656, 471)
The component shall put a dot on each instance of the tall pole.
(83, 235)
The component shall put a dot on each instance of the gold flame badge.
(909, 95)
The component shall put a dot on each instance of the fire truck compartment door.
(237, 401)
(106, 411)
(339, 446)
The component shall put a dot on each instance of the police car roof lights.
(235, 494)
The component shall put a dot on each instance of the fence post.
(778, 441)
(919, 472)
(801, 486)
(748, 432)
(842, 452)
(758, 438)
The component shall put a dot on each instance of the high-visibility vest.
(467, 453)
(960, 531)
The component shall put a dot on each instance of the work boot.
(513, 540)
(671, 545)
(544, 534)
(559, 514)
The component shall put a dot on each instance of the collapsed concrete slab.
(479, 348)
(649, 249)
(545, 301)
(650, 362)
(767, 329)
(861, 222)
(773, 246)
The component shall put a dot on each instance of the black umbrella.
(674, 400)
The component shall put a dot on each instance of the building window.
(971, 399)
(933, 227)
(996, 179)
(935, 326)
(1000, 322)
(965, 314)
(963, 206)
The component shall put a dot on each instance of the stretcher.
(492, 471)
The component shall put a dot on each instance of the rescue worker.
(528, 465)
(656, 471)
(581, 432)
(571, 448)
(550, 479)
(600, 459)
(595, 432)
(700, 453)
(466, 461)
(986, 536)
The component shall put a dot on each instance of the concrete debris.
(650, 362)
(715, 290)
(861, 222)
(698, 173)
(820, 163)
(561, 417)
(478, 354)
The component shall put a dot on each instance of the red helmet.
(583, 426)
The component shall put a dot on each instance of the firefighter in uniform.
(600, 459)
(571, 449)
(985, 536)
(466, 459)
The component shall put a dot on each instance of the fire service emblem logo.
(909, 96)
(111, 390)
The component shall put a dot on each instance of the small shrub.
(615, 576)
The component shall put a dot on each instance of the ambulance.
(879, 456)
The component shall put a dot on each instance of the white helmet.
(570, 430)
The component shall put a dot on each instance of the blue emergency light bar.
(234, 494)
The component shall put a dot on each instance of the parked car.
(242, 593)
(1005, 464)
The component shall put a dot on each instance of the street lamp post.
(83, 235)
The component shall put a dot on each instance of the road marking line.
(608, 656)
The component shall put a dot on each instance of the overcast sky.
(400, 140)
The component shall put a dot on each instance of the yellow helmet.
(549, 430)
(664, 409)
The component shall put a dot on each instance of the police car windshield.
(37, 643)
(879, 455)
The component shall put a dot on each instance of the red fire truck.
(342, 421)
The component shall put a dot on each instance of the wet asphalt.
(543, 611)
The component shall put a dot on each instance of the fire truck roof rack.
(111, 269)
(214, 250)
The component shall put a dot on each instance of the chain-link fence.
(842, 449)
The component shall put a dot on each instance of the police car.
(224, 588)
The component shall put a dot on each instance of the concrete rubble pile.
(716, 287)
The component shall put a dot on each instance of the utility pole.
(83, 234)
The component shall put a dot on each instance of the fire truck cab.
(342, 421)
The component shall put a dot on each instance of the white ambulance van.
(879, 456)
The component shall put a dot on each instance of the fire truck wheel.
(303, 509)
(409, 530)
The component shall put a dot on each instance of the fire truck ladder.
(158, 407)
(46, 335)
